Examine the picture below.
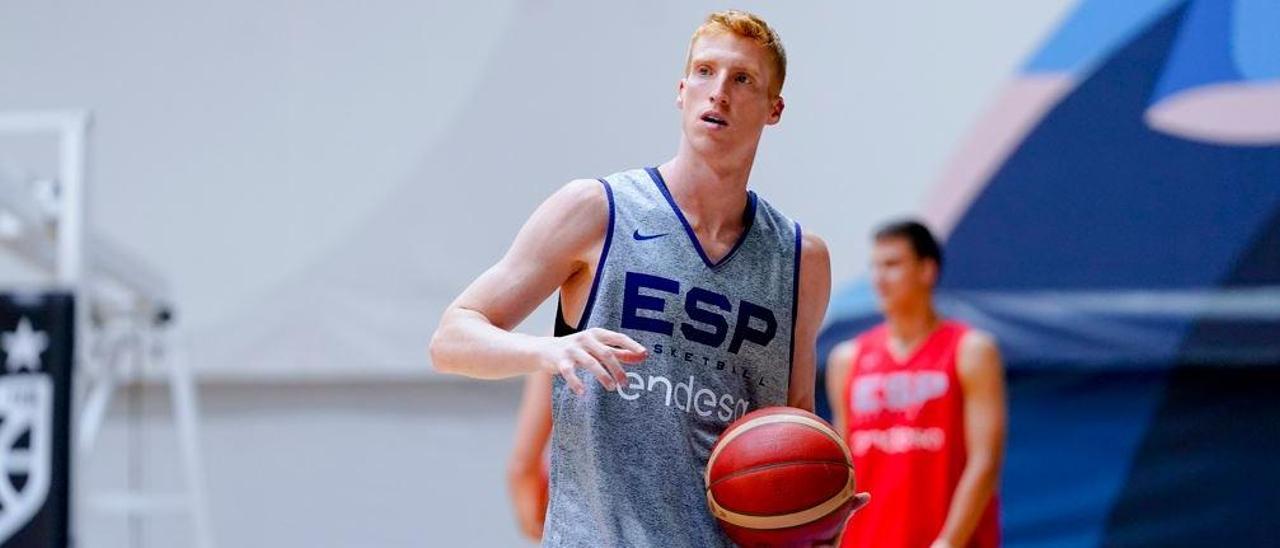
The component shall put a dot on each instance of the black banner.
(35, 404)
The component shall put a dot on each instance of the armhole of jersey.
(795, 307)
(562, 327)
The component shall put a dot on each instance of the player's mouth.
(714, 119)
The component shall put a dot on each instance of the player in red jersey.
(921, 401)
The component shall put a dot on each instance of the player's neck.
(712, 195)
(910, 324)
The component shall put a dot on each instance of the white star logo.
(23, 347)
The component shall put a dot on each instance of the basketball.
(780, 476)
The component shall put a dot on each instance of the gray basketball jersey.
(627, 466)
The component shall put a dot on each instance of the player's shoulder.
(582, 201)
(977, 341)
(871, 338)
(605, 190)
(842, 353)
(976, 352)
(574, 217)
(581, 193)
(813, 247)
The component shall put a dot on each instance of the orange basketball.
(780, 476)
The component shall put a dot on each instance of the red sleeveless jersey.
(906, 432)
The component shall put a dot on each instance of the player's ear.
(775, 115)
(930, 272)
(680, 95)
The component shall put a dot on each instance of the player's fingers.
(604, 354)
(629, 356)
(565, 369)
(592, 365)
(860, 500)
(626, 348)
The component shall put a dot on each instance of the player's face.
(899, 276)
(725, 99)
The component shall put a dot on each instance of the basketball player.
(920, 399)
(689, 299)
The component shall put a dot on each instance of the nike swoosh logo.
(643, 237)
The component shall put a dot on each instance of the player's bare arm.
(814, 292)
(525, 477)
(981, 375)
(561, 239)
(839, 365)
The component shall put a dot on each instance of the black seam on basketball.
(829, 433)
(777, 465)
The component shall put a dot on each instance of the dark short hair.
(921, 239)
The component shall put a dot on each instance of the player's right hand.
(859, 500)
(597, 351)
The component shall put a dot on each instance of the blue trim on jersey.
(604, 253)
(693, 237)
(795, 304)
